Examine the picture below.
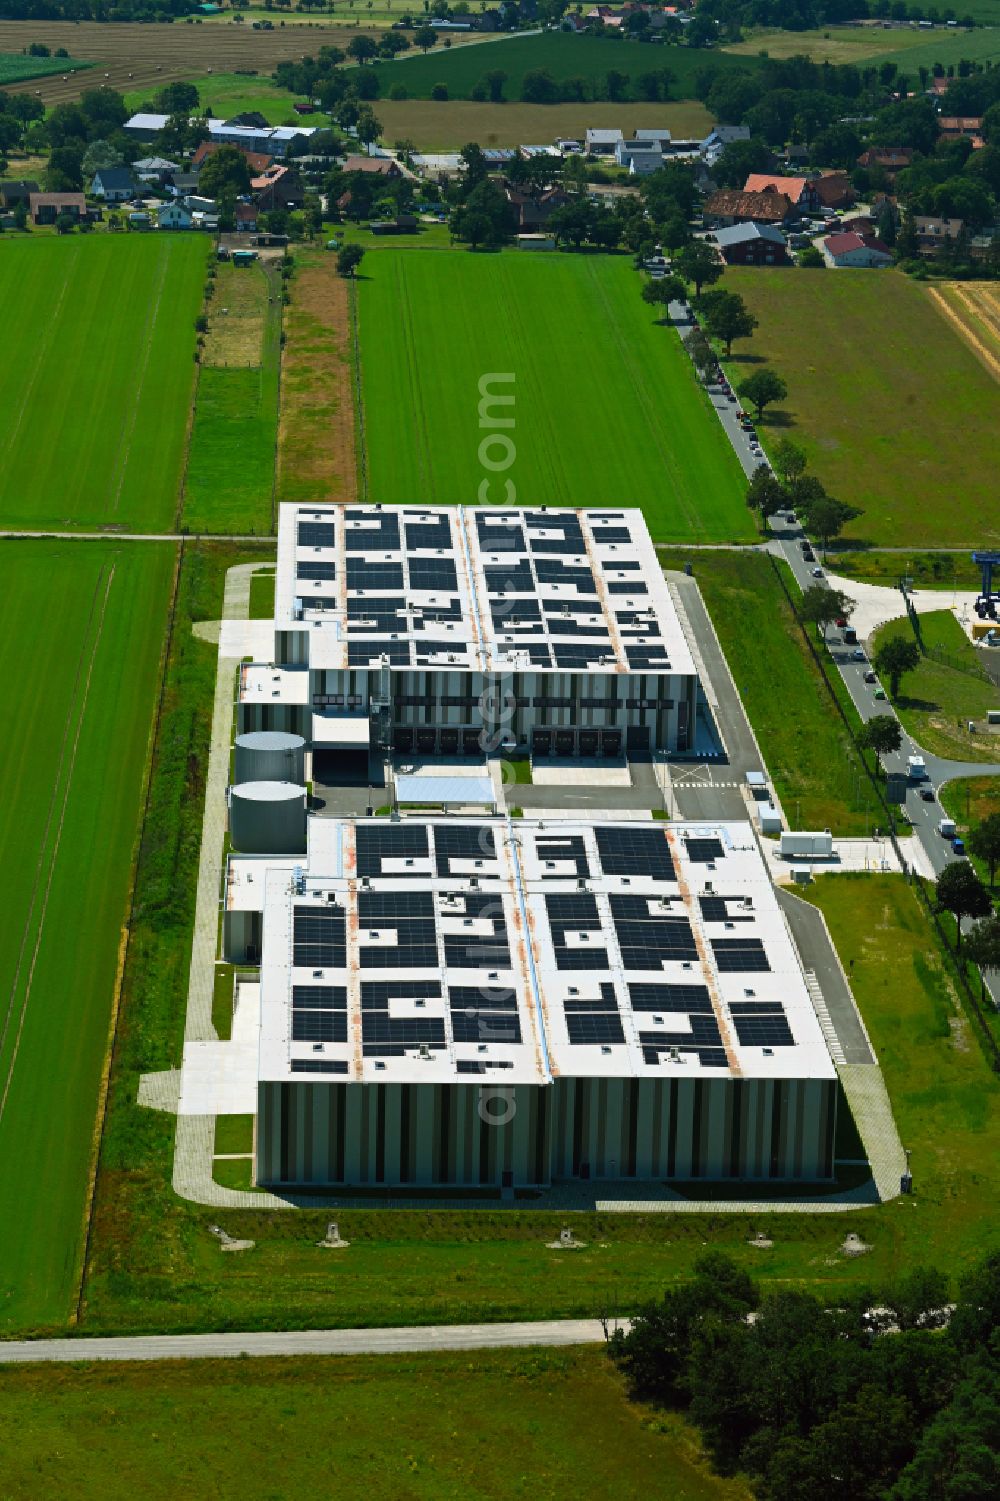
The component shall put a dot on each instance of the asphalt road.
(307, 1342)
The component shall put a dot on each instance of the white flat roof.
(477, 589)
(443, 949)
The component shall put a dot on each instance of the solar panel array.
(736, 955)
(319, 937)
(648, 940)
(315, 533)
(404, 922)
(376, 843)
(383, 1035)
(635, 851)
(577, 914)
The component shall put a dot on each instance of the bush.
(439, 91)
(398, 91)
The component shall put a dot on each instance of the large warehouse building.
(502, 1002)
(444, 631)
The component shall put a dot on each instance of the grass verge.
(928, 570)
(939, 698)
(419, 1427)
(262, 596)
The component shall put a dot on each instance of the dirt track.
(128, 57)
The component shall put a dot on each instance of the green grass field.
(894, 410)
(928, 570)
(862, 45)
(81, 626)
(809, 754)
(562, 55)
(227, 94)
(492, 1424)
(96, 381)
(15, 67)
(229, 482)
(937, 700)
(607, 408)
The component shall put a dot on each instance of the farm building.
(46, 208)
(846, 250)
(270, 139)
(15, 192)
(395, 626)
(484, 1003)
(732, 206)
(801, 192)
(752, 245)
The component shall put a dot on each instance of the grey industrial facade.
(444, 631)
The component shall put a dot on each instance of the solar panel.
(582, 579)
(318, 1066)
(404, 1031)
(647, 941)
(626, 587)
(319, 997)
(382, 537)
(563, 848)
(485, 1026)
(436, 533)
(735, 954)
(616, 534)
(463, 843)
(369, 653)
(634, 852)
(362, 574)
(480, 1065)
(590, 1029)
(315, 570)
(476, 951)
(702, 851)
(647, 996)
(510, 578)
(433, 573)
(319, 937)
(315, 534)
(496, 538)
(376, 994)
(375, 844)
(319, 1026)
(715, 909)
(771, 1031)
(471, 997)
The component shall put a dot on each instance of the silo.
(268, 818)
(270, 756)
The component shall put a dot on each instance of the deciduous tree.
(882, 734)
(984, 842)
(962, 893)
(894, 657)
(762, 388)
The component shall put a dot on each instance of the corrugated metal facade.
(473, 1134)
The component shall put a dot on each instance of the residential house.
(933, 233)
(382, 166)
(13, 193)
(245, 216)
(278, 188)
(721, 136)
(602, 142)
(174, 215)
(835, 190)
(257, 161)
(156, 169)
(731, 206)
(852, 250)
(661, 138)
(183, 184)
(640, 157)
(801, 192)
(534, 210)
(887, 159)
(953, 127)
(752, 245)
(45, 208)
(114, 184)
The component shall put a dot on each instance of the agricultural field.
(83, 678)
(15, 67)
(130, 57)
(316, 448)
(562, 55)
(949, 688)
(973, 309)
(863, 45)
(421, 1427)
(809, 753)
(97, 380)
(608, 411)
(227, 94)
(229, 483)
(447, 126)
(894, 410)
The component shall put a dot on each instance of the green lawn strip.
(944, 1096)
(562, 55)
(492, 1424)
(16, 67)
(83, 686)
(233, 1133)
(565, 327)
(228, 94)
(938, 699)
(222, 999)
(229, 484)
(98, 376)
(236, 1173)
(855, 350)
(928, 570)
(809, 754)
(262, 596)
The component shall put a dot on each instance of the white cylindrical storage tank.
(270, 756)
(268, 818)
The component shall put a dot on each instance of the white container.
(819, 845)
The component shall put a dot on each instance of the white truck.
(946, 828)
(818, 845)
(916, 769)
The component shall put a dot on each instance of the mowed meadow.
(893, 408)
(607, 410)
(97, 378)
(81, 630)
